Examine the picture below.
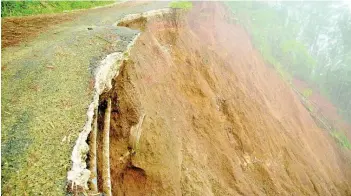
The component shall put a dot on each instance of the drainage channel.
(114, 113)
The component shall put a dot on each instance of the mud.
(218, 121)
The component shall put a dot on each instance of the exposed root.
(109, 68)
(79, 176)
(106, 177)
(93, 155)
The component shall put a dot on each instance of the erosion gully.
(107, 126)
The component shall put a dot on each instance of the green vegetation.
(181, 5)
(25, 8)
(309, 41)
(307, 92)
(341, 139)
(277, 43)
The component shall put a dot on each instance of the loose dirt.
(218, 121)
(15, 30)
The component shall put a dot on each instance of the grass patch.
(25, 8)
(341, 139)
(181, 5)
(44, 110)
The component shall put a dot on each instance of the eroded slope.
(218, 121)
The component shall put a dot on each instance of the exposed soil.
(326, 107)
(218, 120)
(15, 30)
(138, 23)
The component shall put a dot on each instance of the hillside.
(141, 99)
(218, 121)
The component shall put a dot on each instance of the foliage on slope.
(181, 5)
(24, 8)
(305, 40)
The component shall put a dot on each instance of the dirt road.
(216, 119)
(47, 84)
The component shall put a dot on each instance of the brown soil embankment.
(218, 121)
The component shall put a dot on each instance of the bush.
(307, 92)
(341, 139)
(181, 5)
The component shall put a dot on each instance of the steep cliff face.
(215, 119)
